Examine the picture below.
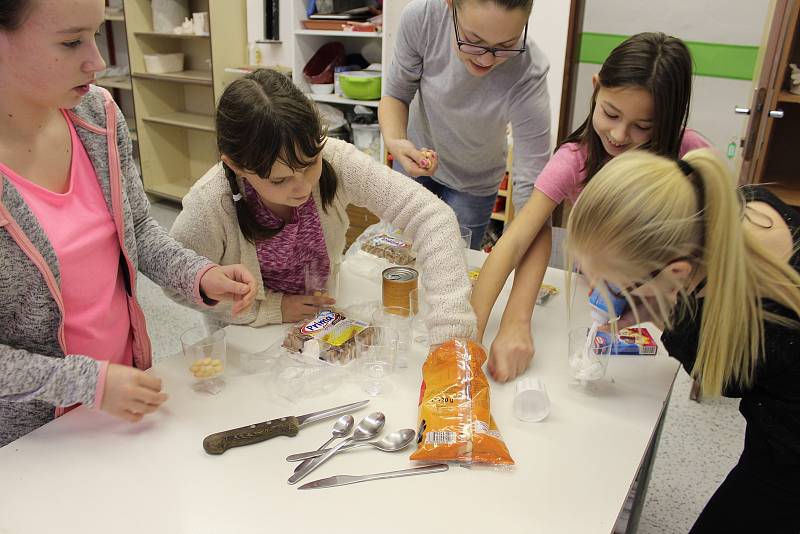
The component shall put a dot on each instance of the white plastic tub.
(163, 63)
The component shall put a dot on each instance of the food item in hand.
(455, 423)
(473, 274)
(207, 368)
(545, 292)
(390, 248)
(330, 334)
(427, 158)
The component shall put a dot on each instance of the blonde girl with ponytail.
(717, 269)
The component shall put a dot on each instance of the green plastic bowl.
(361, 84)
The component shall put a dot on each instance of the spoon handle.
(322, 448)
(319, 452)
(300, 474)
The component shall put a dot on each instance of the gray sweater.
(463, 117)
(36, 374)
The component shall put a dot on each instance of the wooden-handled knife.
(258, 432)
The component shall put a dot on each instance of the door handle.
(740, 110)
(776, 114)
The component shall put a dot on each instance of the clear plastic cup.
(402, 320)
(206, 357)
(588, 361)
(531, 402)
(321, 281)
(376, 347)
(419, 309)
(466, 236)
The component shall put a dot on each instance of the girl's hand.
(511, 353)
(415, 162)
(230, 282)
(131, 393)
(297, 307)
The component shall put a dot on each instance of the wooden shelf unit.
(175, 111)
(789, 98)
(122, 83)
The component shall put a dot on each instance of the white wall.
(739, 22)
(548, 26)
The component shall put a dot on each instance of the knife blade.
(285, 426)
(343, 480)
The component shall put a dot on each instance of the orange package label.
(455, 423)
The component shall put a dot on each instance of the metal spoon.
(396, 441)
(341, 428)
(368, 428)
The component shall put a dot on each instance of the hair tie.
(237, 197)
(686, 167)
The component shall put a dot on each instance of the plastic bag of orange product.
(455, 424)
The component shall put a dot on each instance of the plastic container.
(205, 353)
(361, 85)
(321, 88)
(531, 402)
(319, 68)
(367, 138)
(163, 63)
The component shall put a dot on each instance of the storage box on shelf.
(175, 110)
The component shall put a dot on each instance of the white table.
(90, 473)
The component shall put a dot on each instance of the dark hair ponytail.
(663, 66)
(262, 118)
(526, 5)
(13, 13)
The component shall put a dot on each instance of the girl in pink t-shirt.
(640, 101)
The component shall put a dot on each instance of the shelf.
(502, 193)
(336, 99)
(171, 35)
(787, 194)
(787, 97)
(115, 82)
(114, 16)
(335, 33)
(182, 119)
(169, 191)
(197, 77)
(499, 217)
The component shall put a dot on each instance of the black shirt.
(771, 405)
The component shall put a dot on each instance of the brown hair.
(663, 66)
(262, 118)
(13, 13)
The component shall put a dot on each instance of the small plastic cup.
(376, 347)
(420, 312)
(466, 236)
(531, 402)
(320, 281)
(401, 320)
(587, 361)
(206, 357)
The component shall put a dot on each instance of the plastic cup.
(321, 281)
(466, 236)
(401, 320)
(376, 347)
(420, 312)
(206, 357)
(531, 402)
(587, 361)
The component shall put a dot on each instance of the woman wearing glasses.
(473, 71)
(718, 269)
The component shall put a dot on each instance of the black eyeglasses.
(477, 50)
(618, 293)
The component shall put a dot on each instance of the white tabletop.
(90, 473)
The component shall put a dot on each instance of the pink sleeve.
(100, 389)
(562, 176)
(692, 141)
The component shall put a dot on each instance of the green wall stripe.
(710, 59)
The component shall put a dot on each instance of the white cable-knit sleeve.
(426, 220)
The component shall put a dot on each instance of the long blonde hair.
(641, 212)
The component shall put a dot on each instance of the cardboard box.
(632, 342)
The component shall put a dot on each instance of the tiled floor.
(699, 444)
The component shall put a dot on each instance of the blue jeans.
(471, 211)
